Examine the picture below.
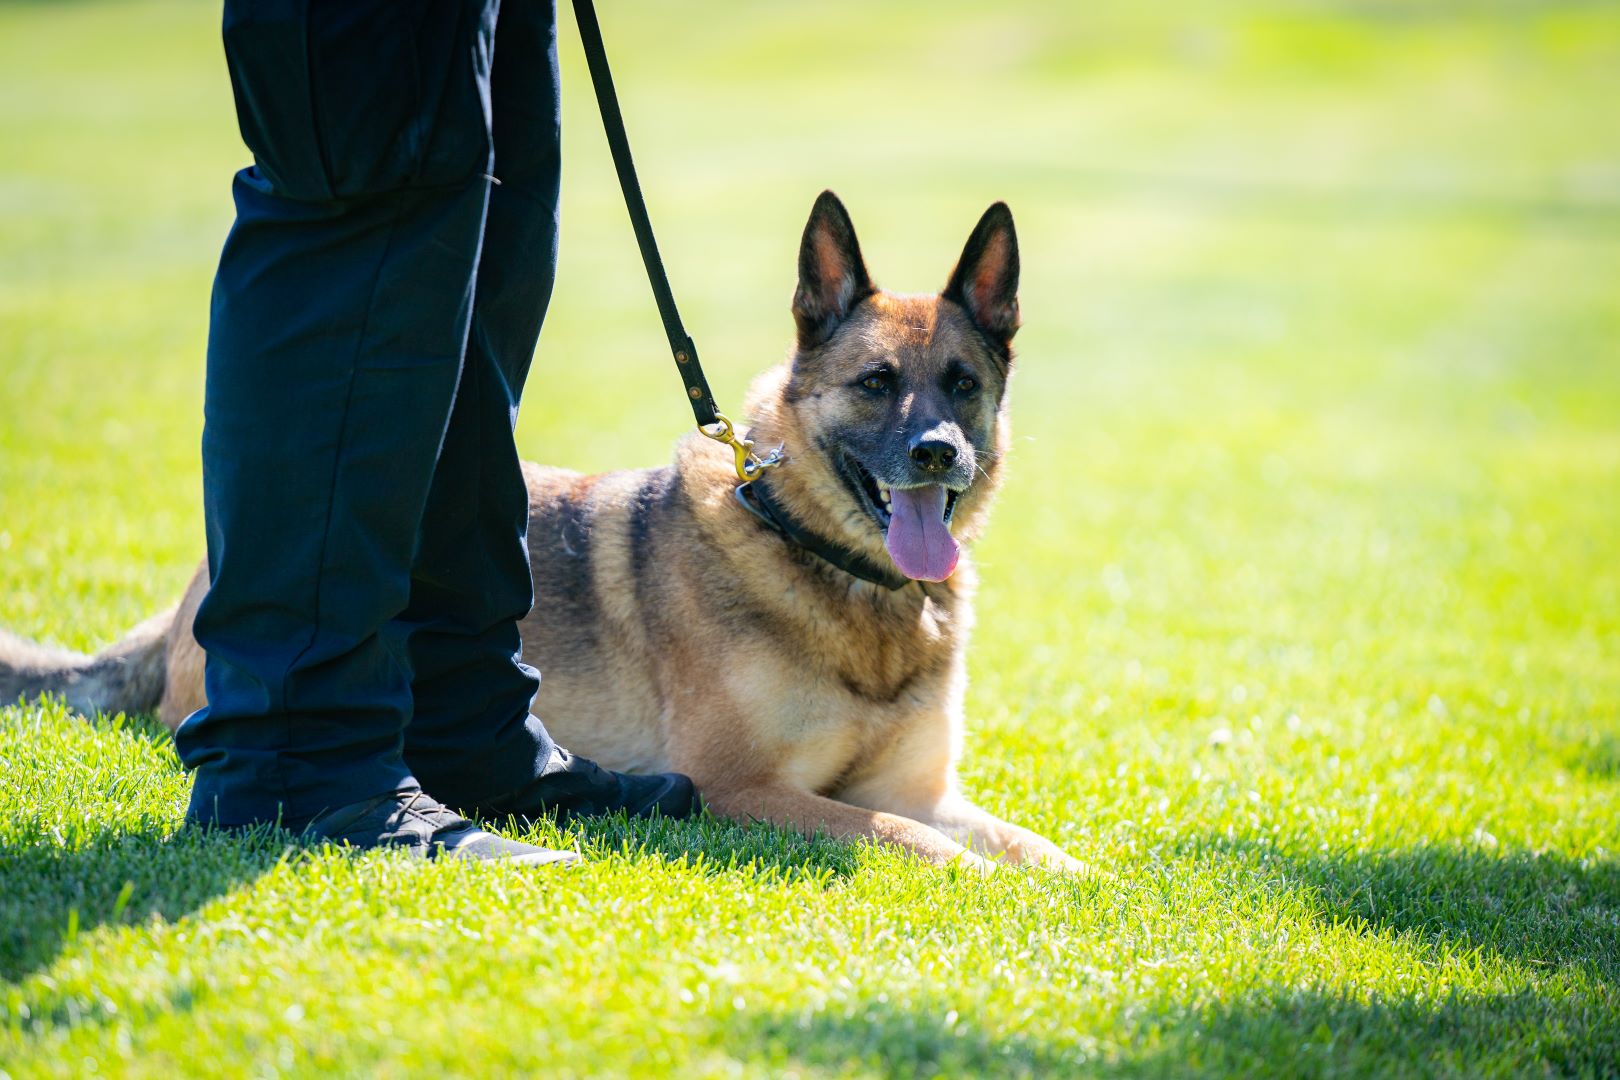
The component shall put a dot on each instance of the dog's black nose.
(935, 455)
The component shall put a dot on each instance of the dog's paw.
(976, 863)
(1051, 858)
(1063, 863)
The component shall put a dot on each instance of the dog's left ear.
(985, 281)
(832, 275)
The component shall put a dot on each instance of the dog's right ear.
(832, 276)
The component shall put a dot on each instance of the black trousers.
(377, 305)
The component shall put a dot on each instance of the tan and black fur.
(676, 631)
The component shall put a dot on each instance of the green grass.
(1301, 612)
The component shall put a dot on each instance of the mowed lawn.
(1300, 613)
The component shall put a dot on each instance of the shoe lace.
(433, 812)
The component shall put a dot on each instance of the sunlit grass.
(1300, 613)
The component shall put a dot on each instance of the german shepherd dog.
(797, 646)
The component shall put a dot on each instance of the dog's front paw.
(976, 863)
(1049, 856)
(1062, 862)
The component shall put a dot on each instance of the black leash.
(710, 420)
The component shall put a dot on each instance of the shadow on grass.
(98, 851)
(1274, 1032)
(50, 894)
(889, 1039)
(712, 845)
(60, 878)
(1548, 912)
(1311, 1033)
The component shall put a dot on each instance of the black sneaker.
(427, 829)
(572, 786)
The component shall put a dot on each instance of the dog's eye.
(966, 384)
(876, 381)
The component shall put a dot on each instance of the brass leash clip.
(750, 466)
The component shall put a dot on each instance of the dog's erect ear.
(832, 277)
(985, 281)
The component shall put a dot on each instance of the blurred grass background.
(1306, 572)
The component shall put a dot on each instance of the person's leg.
(472, 741)
(340, 314)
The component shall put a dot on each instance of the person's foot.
(417, 822)
(572, 786)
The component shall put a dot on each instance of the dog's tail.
(127, 676)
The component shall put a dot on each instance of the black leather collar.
(758, 502)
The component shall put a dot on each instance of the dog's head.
(892, 407)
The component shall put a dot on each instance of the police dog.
(797, 647)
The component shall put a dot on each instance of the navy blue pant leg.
(341, 314)
(472, 741)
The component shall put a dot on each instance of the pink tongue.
(919, 543)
